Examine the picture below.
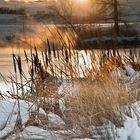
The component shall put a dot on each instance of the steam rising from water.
(39, 34)
(35, 34)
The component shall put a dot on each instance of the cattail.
(26, 56)
(36, 62)
(19, 65)
(49, 49)
(66, 56)
(47, 60)
(77, 57)
(114, 52)
(32, 73)
(63, 50)
(84, 59)
(14, 61)
(119, 55)
(36, 53)
(54, 53)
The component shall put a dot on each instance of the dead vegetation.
(96, 99)
(95, 103)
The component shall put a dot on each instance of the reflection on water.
(6, 63)
(7, 68)
(35, 36)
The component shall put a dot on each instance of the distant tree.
(5, 10)
(108, 9)
(116, 16)
(63, 8)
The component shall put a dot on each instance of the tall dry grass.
(96, 103)
(98, 98)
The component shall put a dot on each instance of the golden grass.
(93, 102)
(110, 65)
(96, 103)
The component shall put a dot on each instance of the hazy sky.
(81, 6)
(40, 5)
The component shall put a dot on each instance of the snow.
(10, 112)
(106, 38)
(54, 121)
(32, 132)
(83, 139)
(128, 74)
(62, 106)
(129, 69)
(130, 131)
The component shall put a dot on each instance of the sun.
(81, 1)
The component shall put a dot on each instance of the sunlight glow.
(81, 0)
(26, 1)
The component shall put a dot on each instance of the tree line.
(5, 10)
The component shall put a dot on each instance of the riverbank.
(60, 108)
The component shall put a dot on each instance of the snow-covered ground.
(12, 110)
(9, 114)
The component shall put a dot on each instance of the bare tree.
(109, 9)
(116, 17)
(63, 8)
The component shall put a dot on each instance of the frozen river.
(7, 68)
(9, 30)
(6, 64)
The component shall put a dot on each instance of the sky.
(82, 6)
(40, 5)
(21, 0)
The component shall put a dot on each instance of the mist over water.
(6, 65)
(33, 36)
(28, 37)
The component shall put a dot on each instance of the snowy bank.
(11, 111)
